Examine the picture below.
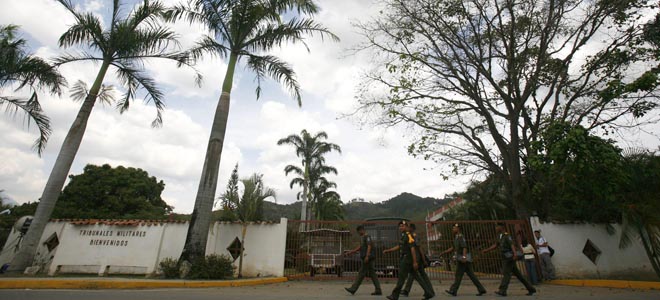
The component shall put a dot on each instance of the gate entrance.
(315, 249)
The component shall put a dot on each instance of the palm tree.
(130, 39)
(19, 69)
(249, 207)
(327, 204)
(640, 219)
(238, 29)
(311, 150)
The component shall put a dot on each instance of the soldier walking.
(408, 263)
(463, 258)
(421, 260)
(508, 250)
(367, 268)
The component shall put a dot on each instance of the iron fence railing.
(315, 249)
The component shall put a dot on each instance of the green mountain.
(405, 205)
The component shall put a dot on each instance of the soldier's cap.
(457, 225)
(539, 231)
(404, 222)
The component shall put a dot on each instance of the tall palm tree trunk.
(240, 261)
(200, 221)
(303, 208)
(58, 175)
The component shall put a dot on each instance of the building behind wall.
(590, 251)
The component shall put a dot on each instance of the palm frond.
(626, 233)
(292, 139)
(268, 36)
(86, 31)
(296, 170)
(273, 67)
(148, 12)
(211, 14)
(24, 70)
(207, 45)
(308, 7)
(296, 181)
(34, 113)
(145, 42)
(135, 79)
(75, 57)
(106, 95)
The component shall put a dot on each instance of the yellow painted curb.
(617, 284)
(48, 283)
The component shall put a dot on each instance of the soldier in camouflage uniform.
(508, 249)
(463, 259)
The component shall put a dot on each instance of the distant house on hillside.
(439, 213)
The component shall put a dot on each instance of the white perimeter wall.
(116, 249)
(569, 240)
(264, 246)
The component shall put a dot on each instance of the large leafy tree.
(18, 70)
(240, 29)
(480, 79)
(311, 149)
(128, 40)
(484, 200)
(104, 192)
(571, 172)
(9, 216)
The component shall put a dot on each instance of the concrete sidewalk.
(141, 283)
(617, 284)
(125, 283)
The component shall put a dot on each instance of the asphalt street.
(302, 290)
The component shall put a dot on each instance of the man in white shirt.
(547, 268)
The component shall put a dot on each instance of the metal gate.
(315, 249)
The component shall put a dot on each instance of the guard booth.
(325, 248)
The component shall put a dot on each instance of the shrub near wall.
(210, 267)
(169, 268)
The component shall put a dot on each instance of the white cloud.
(374, 164)
(20, 174)
(44, 20)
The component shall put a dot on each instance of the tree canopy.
(479, 80)
(104, 192)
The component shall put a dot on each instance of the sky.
(374, 163)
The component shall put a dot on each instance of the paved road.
(298, 290)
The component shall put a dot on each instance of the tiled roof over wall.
(135, 222)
